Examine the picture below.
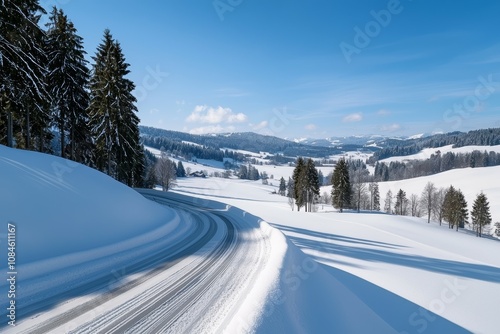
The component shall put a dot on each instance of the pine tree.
(282, 187)
(181, 172)
(312, 183)
(299, 183)
(23, 95)
(68, 79)
(341, 186)
(455, 208)
(480, 214)
(374, 196)
(243, 174)
(112, 115)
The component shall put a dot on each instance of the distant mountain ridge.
(481, 137)
(247, 141)
(381, 146)
(366, 141)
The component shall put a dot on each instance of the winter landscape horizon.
(237, 166)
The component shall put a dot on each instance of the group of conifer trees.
(447, 205)
(47, 89)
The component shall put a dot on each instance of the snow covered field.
(345, 273)
(427, 152)
(414, 276)
(470, 180)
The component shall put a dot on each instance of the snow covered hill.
(75, 208)
(427, 152)
(416, 277)
(470, 180)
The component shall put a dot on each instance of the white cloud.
(356, 117)
(310, 127)
(260, 126)
(210, 115)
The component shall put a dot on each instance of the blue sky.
(305, 68)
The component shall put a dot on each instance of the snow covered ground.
(470, 180)
(345, 273)
(415, 277)
(427, 152)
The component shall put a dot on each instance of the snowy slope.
(415, 277)
(470, 180)
(73, 223)
(74, 207)
(427, 152)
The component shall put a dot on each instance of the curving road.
(196, 285)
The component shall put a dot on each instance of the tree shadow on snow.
(401, 314)
(383, 252)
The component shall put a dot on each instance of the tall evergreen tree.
(181, 172)
(282, 187)
(374, 196)
(299, 183)
(341, 186)
(455, 208)
(311, 182)
(68, 80)
(23, 93)
(112, 115)
(480, 214)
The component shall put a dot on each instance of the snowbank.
(62, 207)
(73, 225)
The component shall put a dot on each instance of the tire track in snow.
(164, 260)
(206, 292)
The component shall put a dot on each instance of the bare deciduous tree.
(427, 198)
(166, 173)
(414, 205)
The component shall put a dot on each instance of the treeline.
(46, 84)
(247, 141)
(437, 163)
(189, 151)
(443, 205)
(483, 137)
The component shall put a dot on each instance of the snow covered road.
(195, 285)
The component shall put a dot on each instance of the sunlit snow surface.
(351, 273)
